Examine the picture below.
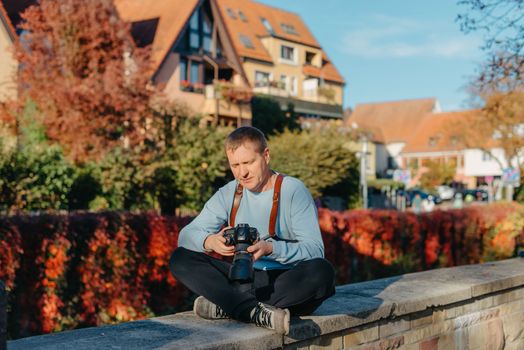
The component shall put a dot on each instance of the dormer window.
(288, 53)
(288, 28)
(246, 41)
(268, 26)
(310, 56)
(433, 141)
(231, 13)
(242, 16)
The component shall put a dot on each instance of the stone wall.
(467, 307)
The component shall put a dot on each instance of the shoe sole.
(195, 306)
(287, 320)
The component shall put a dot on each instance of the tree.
(79, 64)
(269, 117)
(436, 174)
(499, 124)
(502, 21)
(318, 158)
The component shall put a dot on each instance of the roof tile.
(397, 120)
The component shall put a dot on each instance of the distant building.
(281, 58)
(390, 125)
(8, 64)
(214, 54)
(434, 140)
(193, 58)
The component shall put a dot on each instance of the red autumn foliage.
(89, 80)
(86, 269)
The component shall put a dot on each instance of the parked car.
(477, 194)
(411, 193)
(445, 193)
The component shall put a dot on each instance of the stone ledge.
(353, 305)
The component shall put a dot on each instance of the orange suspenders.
(274, 209)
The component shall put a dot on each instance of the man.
(291, 275)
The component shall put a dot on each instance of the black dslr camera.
(242, 236)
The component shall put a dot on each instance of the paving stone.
(514, 327)
(423, 333)
(509, 308)
(421, 319)
(360, 335)
(387, 328)
(327, 343)
(447, 342)
(488, 335)
(468, 320)
(383, 344)
(430, 344)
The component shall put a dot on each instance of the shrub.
(34, 178)
(318, 158)
(66, 271)
(270, 118)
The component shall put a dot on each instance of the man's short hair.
(246, 133)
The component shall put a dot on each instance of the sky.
(389, 50)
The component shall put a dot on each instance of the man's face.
(250, 167)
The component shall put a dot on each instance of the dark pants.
(301, 289)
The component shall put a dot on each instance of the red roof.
(172, 16)
(397, 120)
(245, 18)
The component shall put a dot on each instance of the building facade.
(282, 59)
(8, 63)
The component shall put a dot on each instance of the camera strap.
(274, 209)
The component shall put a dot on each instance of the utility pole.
(363, 168)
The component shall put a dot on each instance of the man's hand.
(216, 242)
(260, 249)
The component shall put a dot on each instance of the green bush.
(269, 117)
(200, 162)
(318, 158)
(35, 178)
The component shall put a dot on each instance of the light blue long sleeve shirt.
(297, 219)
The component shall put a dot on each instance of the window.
(283, 82)
(183, 69)
(267, 25)
(195, 73)
(288, 28)
(261, 78)
(207, 32)
(293, 85)
(310, 56)
(433, 141)
(194, 35)
(246, 41)
(242, 16)
(287, 53)
(231, 13)
(486, 157)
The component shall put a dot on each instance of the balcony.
(223, 98)
(274, 88)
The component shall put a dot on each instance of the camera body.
(242, 236)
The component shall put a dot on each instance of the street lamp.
(363, 165)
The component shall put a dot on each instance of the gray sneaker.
(271, 317)
(206, 309)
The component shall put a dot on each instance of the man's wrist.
(270, 250)
(206, 240)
